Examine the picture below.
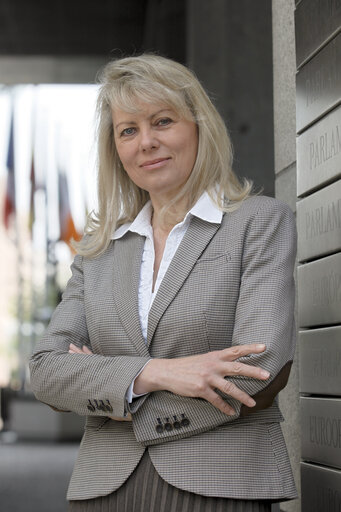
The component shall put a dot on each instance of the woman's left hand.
(76, 350)
(85, 350)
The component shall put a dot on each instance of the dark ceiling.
(87, 27)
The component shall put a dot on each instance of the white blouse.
(205, 209)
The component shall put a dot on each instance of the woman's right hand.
(200, 375)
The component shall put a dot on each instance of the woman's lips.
(154, 164)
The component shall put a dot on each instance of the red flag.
(9, 203)
(66, 224)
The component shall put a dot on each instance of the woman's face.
(156, 147)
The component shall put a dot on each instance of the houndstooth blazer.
(227, 284)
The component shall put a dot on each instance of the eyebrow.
(150, 117)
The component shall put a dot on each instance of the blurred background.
(50, 53)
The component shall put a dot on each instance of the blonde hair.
(154, 79)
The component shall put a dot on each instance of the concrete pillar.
(284, 70)
(229, 47)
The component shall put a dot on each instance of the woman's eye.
(127, 131)
(164, 121)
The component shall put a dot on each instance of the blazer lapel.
(197, 237)
(126, 275)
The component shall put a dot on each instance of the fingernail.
(252, 403)
(260, 345)
(265, 374)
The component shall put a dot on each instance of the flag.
(66, 224)
(9, 203)
(33, 189)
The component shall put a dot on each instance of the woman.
(175, 332)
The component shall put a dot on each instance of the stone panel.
(319, 153)
(315, 22)
(319, 292)
(321, 430)
(318, 85)
(321, 489)
(320, 361)
(319, 223)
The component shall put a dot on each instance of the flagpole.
(17, 242)
(51, 263)
(33, 298)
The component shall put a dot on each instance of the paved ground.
(34, 476)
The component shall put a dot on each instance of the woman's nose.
(148, 140)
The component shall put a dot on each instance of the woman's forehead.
(135, 99)
(144, 109)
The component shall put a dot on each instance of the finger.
(219, 403)
(230, 389)
(74, 350)
(86, 350)
(119, 418)
(232, 353)
(240, 369)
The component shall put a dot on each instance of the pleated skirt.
(146, 491)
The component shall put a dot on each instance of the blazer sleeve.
(264, 314)
(73, 382)
(266, 304)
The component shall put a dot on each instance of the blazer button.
(99, 407)
(176, 423)
(91, 407)
(185, 421)
(159, 426)
(168, 426)
(108, 406)
(103, 406)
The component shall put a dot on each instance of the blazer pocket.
(215, 261)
